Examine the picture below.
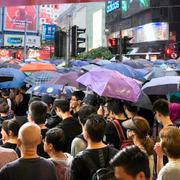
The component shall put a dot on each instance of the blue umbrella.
(79, 63)
(158, 62)
(103, 62)
(134, 64)
(41, 77)
(18, 78)
(125, 70)
(53, 90)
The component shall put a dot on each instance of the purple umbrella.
(66, 79)
(110, 83)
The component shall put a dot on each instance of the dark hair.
(38, 111)
(62, 104)
(34, 98)
(95, 127)
(84, 112)
(116, 106)
(55, 136)
(130, 107)
(170, 138)
(132, 160)
(11, 125)
(162, 106)
(4, 107)
(79, 95)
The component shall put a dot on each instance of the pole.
(25, 36)
(120, 46)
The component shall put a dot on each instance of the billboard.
(112, 5)
(48, 32)
(130, 7)
(0, 19)
(17, 18)
(18, 40)
(158, 31)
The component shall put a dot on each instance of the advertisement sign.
(18, 40)
(130, 7)
(149, 32)
(112, 5)
(1, 40)
(19, 18)
(48, 32)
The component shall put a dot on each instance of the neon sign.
(112, 5)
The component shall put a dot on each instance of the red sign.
(17, 16)
(38, 2)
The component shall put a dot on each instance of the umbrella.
(16, 82)
(162, 85)
(125, 70)
(66, 79)
(134, 64)
(41, 77)
(89, 67)
(7, 65)
(160, 72)
(103, 62)
(110, 83)
(158, 62)
(143, 102)
(5, 75)
(53, 90)
(79, 63)
(38, 67)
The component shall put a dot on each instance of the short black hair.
(34, 98)
(95, 127)
(79, 95)
(161, 106)
(84, 112)
(132, 160)
(11, 125)
(62, 104)
(55, 136)
(38, 111)
(116, 106)
(4, 107)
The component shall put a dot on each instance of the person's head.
(37, 112)
(48, 100)
(10, 129)
(5, 94)
(61, 106)
(54, 140)
(115, 108)
(161, 109)
(137, 130)
(29, 136)
(170, 141)
(84, 112)
(129, 109)
(34, 98)
(94, 128)
(4, 107)
(131, 164)
(91, 99)
(76, 99)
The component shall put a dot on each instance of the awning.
(39, 2)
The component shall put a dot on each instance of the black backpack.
(105, 171)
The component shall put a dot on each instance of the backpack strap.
(118, 129)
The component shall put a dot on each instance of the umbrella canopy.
(38, 67)
(143, 102)
(103, 62)
(5, 75)
(89, 67)
(53, 90)
(79, 63)
(7, 65)
(125, 70)
(16, 82)
(66, 79)
(134, 64)
(37, 78)
(162, 85)
(110, 83)
(160, 72)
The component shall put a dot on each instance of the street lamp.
(25, 36)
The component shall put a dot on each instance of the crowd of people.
(87, 137)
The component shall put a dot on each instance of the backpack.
(105, 172)
(124, 142)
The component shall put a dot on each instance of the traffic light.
(114, 45)
(60, 44)
(169, 52)
(126, 44)
(77, 39)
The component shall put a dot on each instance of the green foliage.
(101, 52)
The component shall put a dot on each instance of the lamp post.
(25, 37)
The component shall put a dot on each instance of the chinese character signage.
(48, 32)
(112, 5)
